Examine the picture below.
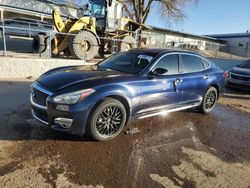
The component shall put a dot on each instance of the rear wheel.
(209, 100)
(84, 45)
(108, 120)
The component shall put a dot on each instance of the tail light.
(225, 74)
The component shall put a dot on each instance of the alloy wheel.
(210, 100)
(109, 121)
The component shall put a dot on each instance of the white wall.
(25, 67)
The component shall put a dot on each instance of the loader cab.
(99, 11)
(108, 14)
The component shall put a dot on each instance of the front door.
(159, 92)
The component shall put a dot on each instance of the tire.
(83, 45)
(39, 43)
(102, 122)
(127, 43)
(209, 100)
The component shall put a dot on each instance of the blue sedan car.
(134, 84)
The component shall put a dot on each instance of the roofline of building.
(230, 35)
(184, 34)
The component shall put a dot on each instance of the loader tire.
(84, 45)
(127, 43)
(39, 43)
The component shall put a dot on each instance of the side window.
(191, 63)
(169, 62)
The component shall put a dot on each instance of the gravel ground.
(182, 149)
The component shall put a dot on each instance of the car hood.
(241, 71)
(61, 78)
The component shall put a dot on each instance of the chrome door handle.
(177, 81)
(206, 76)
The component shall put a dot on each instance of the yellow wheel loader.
(105, 29)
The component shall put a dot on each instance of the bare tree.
(167, 9)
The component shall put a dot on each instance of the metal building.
(170, 38)
(36, 9)
(236, 43)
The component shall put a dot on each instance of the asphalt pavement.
(181, 149)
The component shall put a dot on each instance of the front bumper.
(73, 120)
(240, 84)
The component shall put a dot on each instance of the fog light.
(64, 122)
(62, 107)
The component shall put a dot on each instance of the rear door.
(194, 76)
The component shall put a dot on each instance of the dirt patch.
(236, 98)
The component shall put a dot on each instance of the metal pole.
(4, 38)
(85, 45)
(49, 44)
(29, 30)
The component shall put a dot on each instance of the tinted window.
(191, 63)
(169, 62)
(246, 64)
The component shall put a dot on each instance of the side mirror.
(158, 72)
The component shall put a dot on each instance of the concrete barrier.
(27, 67)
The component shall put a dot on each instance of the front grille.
(39, 97)
(240, 77)
(39, 94)
(41, 114)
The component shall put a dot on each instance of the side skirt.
(166, 111)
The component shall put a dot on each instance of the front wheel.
(209, 100)
(108, 120)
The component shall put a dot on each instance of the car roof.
(158, 51)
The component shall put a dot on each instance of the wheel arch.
(116, 96)
(216, 86)
(124, 101)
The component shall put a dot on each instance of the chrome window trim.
(179, 61)
(196, 55)
(164, 55)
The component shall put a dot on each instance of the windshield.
(245, 64)
(98, 8)
(130, 62)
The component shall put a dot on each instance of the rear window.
(191, 63)
(246, 64)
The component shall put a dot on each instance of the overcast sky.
(211, 17)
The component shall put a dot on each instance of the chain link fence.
(16, 40)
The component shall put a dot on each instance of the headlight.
(72, 98)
